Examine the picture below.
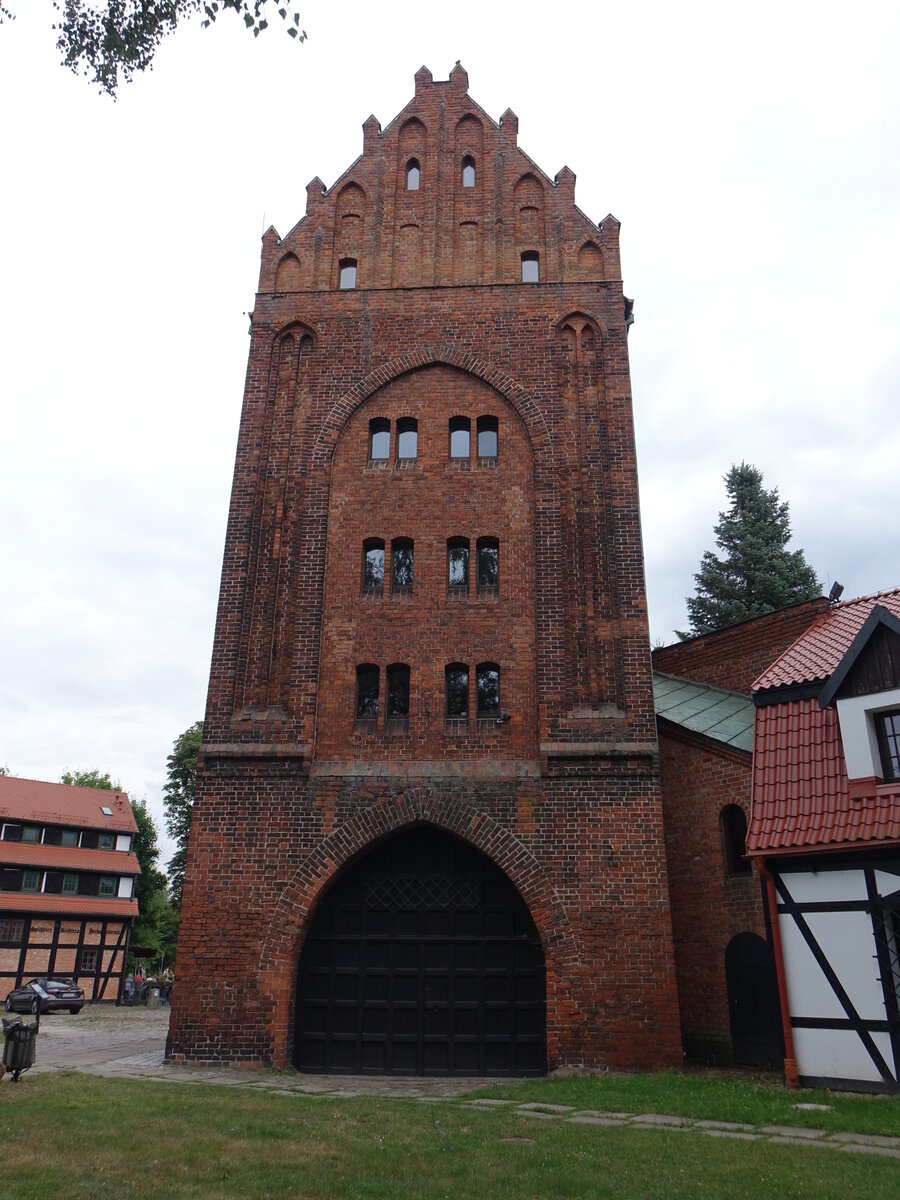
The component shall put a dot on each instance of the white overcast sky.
(750, 152)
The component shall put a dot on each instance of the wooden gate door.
(422, 959)
(757, 1038)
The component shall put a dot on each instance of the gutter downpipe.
(791, 1078)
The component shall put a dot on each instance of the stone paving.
(126, 1043)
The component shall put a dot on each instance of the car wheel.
(75, 1010)
(8, 1004)
(36, 1006)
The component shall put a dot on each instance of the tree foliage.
(157, 925)
(755, 573)
(178, 797)
(109, 40)
(93, 778)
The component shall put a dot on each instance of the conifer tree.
(756, 573)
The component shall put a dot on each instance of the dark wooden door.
(422, 959)
(757, 1038)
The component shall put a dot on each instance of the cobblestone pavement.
(126, 1043)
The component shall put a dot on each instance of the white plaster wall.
(887, 882)
(126, 886)
(858, 731)
(810, 887)
(849, 945)
(123, 841)
(838, 1054)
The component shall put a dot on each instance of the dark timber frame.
(884, 911)
(37, 954)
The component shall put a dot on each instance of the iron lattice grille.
(434, 892)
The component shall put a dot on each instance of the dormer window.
(531, 267)
(468, 172)
(347, 278)
(887, 729)
(413, 175)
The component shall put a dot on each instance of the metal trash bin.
(18, 1049)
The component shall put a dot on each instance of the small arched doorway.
(757, 1038)
(422, 959)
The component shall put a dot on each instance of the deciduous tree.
(109, 40)
(157, 924)
(178, 797)
(755, 572)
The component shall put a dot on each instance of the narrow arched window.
(487, 437)
(487, 686)
(734, 840)
(347, 274)
(413, 174)
(458, 566)
(379, 439)
(531, 267)
(373, 567)
(407, 438)
(456, 688)
(488, 579)
(397, 698)
(367, 687)
(460, 437)
(401, 566)
(468, 171)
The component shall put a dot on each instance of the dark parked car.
(46, 995)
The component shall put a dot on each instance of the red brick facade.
(700, 777)
(564, 796)
(710, 906)
(734, 658)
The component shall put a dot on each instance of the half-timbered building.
(825, 835)
(67, 876)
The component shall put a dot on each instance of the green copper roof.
(725, 717)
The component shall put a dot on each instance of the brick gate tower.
(428, 830)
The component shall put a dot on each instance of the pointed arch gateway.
(304, 896)
(421, 959)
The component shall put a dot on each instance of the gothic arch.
(280, 950)
(289, 274)
(527, 408)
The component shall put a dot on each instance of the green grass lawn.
(762, 1101)
(76, 1136)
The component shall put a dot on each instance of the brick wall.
(709, 906)
(565, 796)
(734, 658)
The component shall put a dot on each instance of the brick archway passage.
(422, 959)
(417, 807)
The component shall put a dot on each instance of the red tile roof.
(801, 797)
(68, 858)
(817, 652)
(91, 906)
(59, 804)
